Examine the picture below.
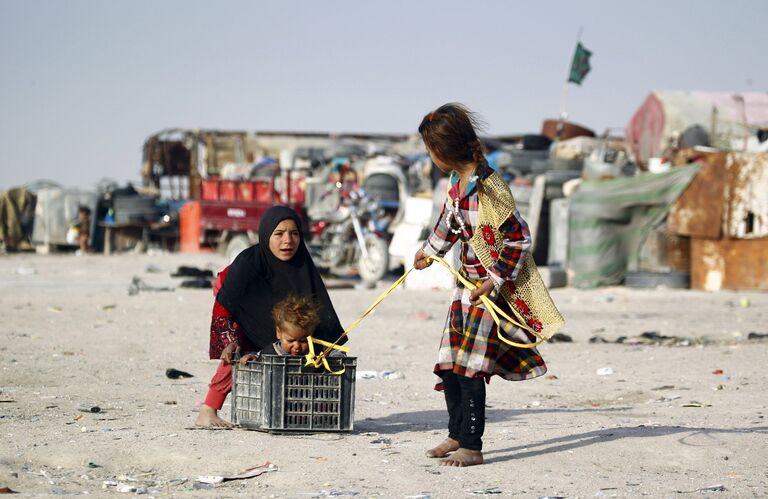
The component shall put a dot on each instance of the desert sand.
(683, 419)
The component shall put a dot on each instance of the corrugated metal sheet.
(698, 212)
(746, 196)
(727, 198)
(729, 264)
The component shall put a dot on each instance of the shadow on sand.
(437, 420)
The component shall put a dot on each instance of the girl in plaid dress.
(471, 351)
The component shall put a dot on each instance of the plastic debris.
(486, 492)
(137, 284)
(386, 374)
(744, 302)
(186, 271)
(757, 336)
(125, 488)
(693, 403)
(88, 407)
(717, 371)
(604, 371)
(560, 338)
(197, 283)
(336, 493)
(176, 374)
(246, 473)
(714, 488)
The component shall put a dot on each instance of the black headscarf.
(257, 280)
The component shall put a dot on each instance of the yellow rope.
(493, 309)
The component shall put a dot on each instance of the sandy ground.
(670, 421)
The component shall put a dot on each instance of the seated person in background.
(296, 317)
(84, 224)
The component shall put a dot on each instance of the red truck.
(185, 167)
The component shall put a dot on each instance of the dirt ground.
(682, 419)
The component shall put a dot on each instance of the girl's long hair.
(450, 132)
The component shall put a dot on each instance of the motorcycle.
(351, 236)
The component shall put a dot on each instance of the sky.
(83, 83)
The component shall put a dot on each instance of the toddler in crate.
(296, 318)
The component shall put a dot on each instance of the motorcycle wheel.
(373, 268)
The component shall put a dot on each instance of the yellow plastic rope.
(313, 360)
(493, 309)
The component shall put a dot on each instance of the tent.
(729, 118)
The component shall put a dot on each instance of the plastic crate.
(277, 394)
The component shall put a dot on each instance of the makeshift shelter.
(17, 207)
(610, 219)
(728, 119)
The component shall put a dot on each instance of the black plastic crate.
(277, 393)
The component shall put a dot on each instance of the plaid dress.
(470, 345)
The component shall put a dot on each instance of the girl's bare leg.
(443, 448)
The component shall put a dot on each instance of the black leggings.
(465, 399)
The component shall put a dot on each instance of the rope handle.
(493, 309)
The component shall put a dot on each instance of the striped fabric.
(610, 219)
(470, 345)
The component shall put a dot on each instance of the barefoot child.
(480, 213)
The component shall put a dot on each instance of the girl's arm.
(517, 245)
(441, 239)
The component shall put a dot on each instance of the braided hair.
(450, 132)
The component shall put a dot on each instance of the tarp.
(667, 112)
(610, 219)
(56, 210)
(16, 213)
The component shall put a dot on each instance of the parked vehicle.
(347, 238)
(215, 171)
(385, 180)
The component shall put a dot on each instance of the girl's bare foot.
(208, 418)
(443, 448)
(463, 457)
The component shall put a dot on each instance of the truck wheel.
(236, 245)
(373, 268)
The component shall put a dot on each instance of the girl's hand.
(229, 351)
(483, 290)
(247, 358)
(421, 261)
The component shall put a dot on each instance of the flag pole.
(564, 95)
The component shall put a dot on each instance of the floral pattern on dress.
(488, 236)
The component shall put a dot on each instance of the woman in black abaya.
(261, 276)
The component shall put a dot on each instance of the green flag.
(580, 65)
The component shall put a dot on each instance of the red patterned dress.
(224, 329)
(470, 345)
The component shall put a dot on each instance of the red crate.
(210, 189)
(227, 190)
(264, 191)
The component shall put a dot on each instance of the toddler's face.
(293, 339)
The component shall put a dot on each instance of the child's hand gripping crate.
(276, 393)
